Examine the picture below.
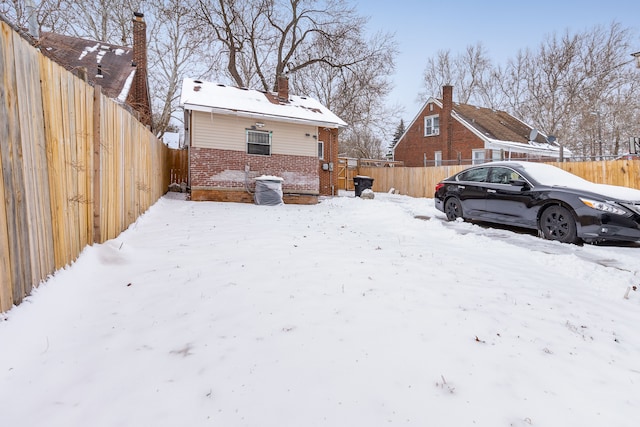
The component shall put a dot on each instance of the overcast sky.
(423, 28)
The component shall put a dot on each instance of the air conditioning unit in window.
(436, 132)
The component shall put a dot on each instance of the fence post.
(97, 231)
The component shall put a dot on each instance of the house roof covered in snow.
(107, 65)
(230, 100)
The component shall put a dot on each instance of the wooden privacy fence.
(178, 166)
(421, 181)
(77, 168)
(348, 168)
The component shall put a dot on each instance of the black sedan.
(560, 205)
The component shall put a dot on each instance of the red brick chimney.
(283, 88)
(447, 97)
(139, 95)
(445, 119)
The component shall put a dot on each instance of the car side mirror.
(520, 183)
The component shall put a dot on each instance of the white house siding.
(224, 132)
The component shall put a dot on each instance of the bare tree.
(356, 93)
(578, 87)
(553, 82)
(609, 84)
(577, 84)
(226, 21)
(107, 21)
(468, 73)
(48, 15)
(320, 45)
(265, 38)
(511, 83)
(437, 73)
(176, 49)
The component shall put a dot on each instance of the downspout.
(331, 163)
(188, 142)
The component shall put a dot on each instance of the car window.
(502, 175)
(475, 175)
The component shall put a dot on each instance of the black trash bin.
(361, 183)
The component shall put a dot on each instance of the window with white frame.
(478, 156)
(259, 142)
(431, 125)
(320, 150)
(438, 158)
(496, 155)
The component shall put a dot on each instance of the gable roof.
(496, 124)
(217, 98)
(499, 130)
(502, 131)
(116, 62)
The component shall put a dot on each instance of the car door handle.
(489, 190)
(461, 187)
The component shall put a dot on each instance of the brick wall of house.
(463, 141)
(454, 141)
(225, 169)
(329, 178)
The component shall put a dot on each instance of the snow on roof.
(218, 98)
(122, 97)
(548, 150)
(88, 50)
(269, 178)
(74, 53)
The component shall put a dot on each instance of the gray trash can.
(361, 183)
(268, 190)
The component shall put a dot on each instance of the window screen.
(259, 142)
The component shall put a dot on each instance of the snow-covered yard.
(347, 313)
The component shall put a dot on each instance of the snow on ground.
(348, 313)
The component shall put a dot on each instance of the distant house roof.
(501, 131)
(107, 65)
(495, 124)
(229, 100)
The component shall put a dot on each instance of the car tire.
(453, 208)
(557, 223)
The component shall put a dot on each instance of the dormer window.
(431, 125)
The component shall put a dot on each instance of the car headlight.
(603, 206)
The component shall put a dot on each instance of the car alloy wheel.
(453, 209)
(557, 223)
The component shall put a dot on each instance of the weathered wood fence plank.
(13, 174)
(77, 168)
(421, 181)
(179, 166)
(36, 181)
(8, 97)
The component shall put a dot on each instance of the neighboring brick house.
(235, 135)
(446, 133)
(120, 71)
